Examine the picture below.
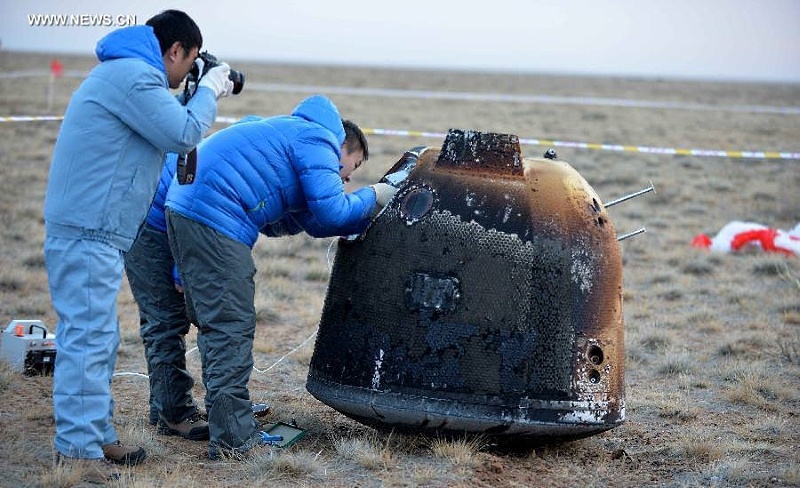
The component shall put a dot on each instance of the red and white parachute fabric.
(739, 236)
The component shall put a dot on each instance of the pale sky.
(745, 40)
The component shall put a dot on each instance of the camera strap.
(187, 167)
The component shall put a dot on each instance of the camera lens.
(237, 77)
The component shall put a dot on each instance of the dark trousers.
(163, 324)
(217, 274)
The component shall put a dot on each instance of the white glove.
(217, 79)
(383, 193)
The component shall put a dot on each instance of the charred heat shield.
(485, 298)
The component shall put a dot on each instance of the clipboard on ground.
(289, 433)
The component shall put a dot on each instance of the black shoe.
(259, 409)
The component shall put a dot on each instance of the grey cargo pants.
(217, 274)
(163, 323)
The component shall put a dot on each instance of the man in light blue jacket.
(275, 176)
(110, 150)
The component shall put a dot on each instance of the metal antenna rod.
(651, 188)
(631, 234)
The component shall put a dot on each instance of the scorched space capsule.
(485, 298)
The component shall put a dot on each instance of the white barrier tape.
(717, 153)
(41, 73)
(31, 118)
(472, 96)
(612, 147)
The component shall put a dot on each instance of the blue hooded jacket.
(155, 216)
(110, 150)
(261, 171)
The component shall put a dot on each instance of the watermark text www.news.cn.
(80, 20)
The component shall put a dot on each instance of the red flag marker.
(56, 68)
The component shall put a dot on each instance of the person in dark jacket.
(163, 322)
(274, 176)
(118, 126)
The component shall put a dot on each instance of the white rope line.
(287, 354)
(670, 151)
(130, 373)
(330, 266)
(471, 96)
(328, 253)
(280, 360)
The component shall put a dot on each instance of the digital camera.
(209, 61)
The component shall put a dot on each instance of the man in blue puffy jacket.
(118, 125)
(277, 175)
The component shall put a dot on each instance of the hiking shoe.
(95, 471)
(121, 454)
(194, 427)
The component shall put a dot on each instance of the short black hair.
(354, 138)
(172, 26)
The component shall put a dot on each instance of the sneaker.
(95, 471)
(121, 454)
(194, 427)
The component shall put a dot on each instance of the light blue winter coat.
(110, 151)
(264, 170)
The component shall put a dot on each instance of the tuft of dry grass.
(789, 346)
(674, 363)
(284, 466)
(678, 406)
(369, 452)
(701, 449)
(657, 342)
(319, 272)
(459, 452)
(756, 386)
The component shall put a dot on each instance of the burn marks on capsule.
(485, 298)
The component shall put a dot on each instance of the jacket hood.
(137, 41)
(321, 110)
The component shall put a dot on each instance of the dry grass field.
(712, 340)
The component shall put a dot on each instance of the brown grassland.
(712, 340)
